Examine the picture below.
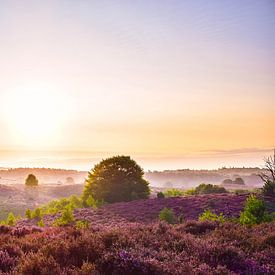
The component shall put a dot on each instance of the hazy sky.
(174, 84)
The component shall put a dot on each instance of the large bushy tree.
(31, 180)
(116, 179)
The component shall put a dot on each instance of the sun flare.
(35, 114)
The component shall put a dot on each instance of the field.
(147, 211)
(156, 248)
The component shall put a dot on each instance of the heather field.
(128, 238)
(147, 210)
(158, 248)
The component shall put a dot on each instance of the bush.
(173, 193)
(254, 212)
(116, 179)
(37, 214)
(82, 224)
(190, 192)
(11, 220)
(209, 188)
(31, 180)
(66, 218)
(208, 215)
(28, 214)
(160, 195)
(167, 215)
(239, 181)
(269, 188)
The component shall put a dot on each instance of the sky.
(174, 84)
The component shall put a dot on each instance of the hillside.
(147, 211)
(184, 178)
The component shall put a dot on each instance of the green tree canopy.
(116, 179)
(31, 180)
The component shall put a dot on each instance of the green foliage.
(82, 224)
(56, 206)
(11, 220)
(254, 212)
(160, 195)
(116, 179)
(31, 180)
(209, 188)
(173, 193)
(167, 215)
(66, 218)
(40, 223)
(37, 214)
(269, 188)
(190, 192)
(91, 202)
(208, 215)
(28, 214)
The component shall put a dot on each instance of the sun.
(35, 115)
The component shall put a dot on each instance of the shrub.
(227, 181)
(66, 218)
(269, 188)
(173, 193)
(254, 212)
(209, 188)
(11, 220)
(37, 214)
(167, 215)
(190, 192)
(239, 181)
(31, 180)
(116, 179)
(160, 195)
(40, 223)
(82, 224)
(208, 215)
(91, 202)
(28, 214)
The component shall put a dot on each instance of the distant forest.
(183, 178)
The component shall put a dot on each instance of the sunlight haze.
(174, 84)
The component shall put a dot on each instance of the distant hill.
(184, 178)
(187, 178)
(44, 175)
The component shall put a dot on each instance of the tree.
(116, 179)
(239, 181)
(254, 211)
(268, 177)
(167, 215)
(31, 180)
(227, 181)
(69, 180)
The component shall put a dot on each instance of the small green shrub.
(254, 212)
(173, 193)
(66, 218)
(167, 215)
(160, 195)
(208, 215)
(40, 223)
(28, 214)
(36, 214)
(91, 202)
(82, 224)
(11, 220)
(209, 189)
(190, 192)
